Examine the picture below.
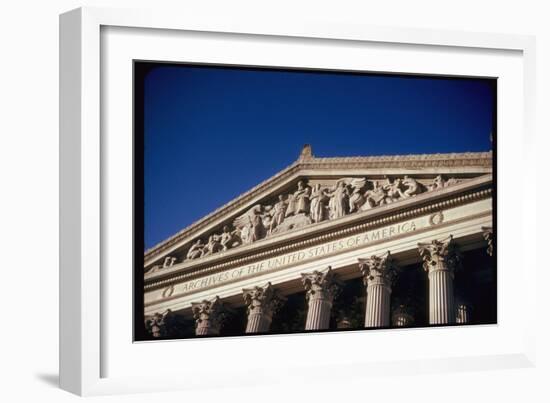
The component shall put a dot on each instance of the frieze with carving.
(310, 202)
(169, 261)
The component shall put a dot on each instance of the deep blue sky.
(210, 134)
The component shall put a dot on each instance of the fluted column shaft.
(440, 261)
(258, 322)
(441, 296)
(322, 288)
(262, 302)
(378, 274)
(463, 313)
(318, 313)
(378, 305)
(206, 328)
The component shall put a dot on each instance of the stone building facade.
(334, 243)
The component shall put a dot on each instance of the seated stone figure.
(212, 246)
(393, 190)
(228, 238)
(374, 197)
(195, 251)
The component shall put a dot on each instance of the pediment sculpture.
(309, 204)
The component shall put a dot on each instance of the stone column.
(463, 313)
(321, 289)
(488, 236)
(208, 316)
(402, 317)
(262, 302)
(440, 262)
(378, 274)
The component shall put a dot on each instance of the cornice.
(443, 160)
(481, 159)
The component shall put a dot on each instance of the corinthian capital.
(321, 284)
(378, 269)
(488, 236)
(208, 315)
(265, 300)
(156, 325)
(440, 255)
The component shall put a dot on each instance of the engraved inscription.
(314, 252)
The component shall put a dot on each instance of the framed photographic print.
(398, 238)
(235, 191)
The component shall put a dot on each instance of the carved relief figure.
(413, 187)
(437, 183)
(440, 183)
(258, 229)
(228, 238)
(291, 205)
(374, 197)
(266, 221)
(356, 200)
(245, 234)
(195, 251)
(318, 204)
(250, 224)
(356, 197)
(279, 210)
(451, 181)
(302, 196)
(393, 191)
(212, 246)
(338, 204)
(308, 205)
(168, 261)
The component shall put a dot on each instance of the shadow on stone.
(50, 379)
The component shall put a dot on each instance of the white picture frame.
(86, 303)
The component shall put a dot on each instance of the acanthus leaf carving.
(378, 269)
(440, 255)
(265, 300)
(156, 325)
(209, 316)
(322, 284)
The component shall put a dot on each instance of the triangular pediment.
(312, 191)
